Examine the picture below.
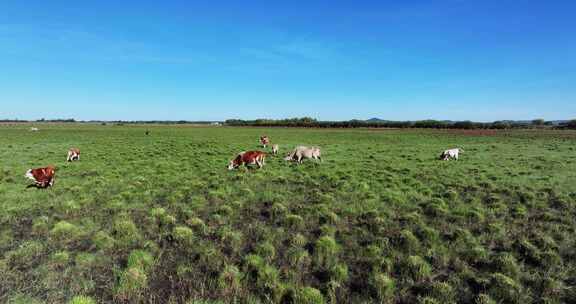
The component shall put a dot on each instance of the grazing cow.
(275, 149)
(248, 158)
(300, 153)
(264, 141)
(42, 177)
(73, 154)
(33, 129)
(450, 154)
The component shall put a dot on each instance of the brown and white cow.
(264, 140)
(42, 177)
(73, 154)
(248, 158)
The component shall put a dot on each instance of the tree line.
(307, 122)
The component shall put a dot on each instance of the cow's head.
(29, 174)
(236, 162)
(289, 156)
(232, 165)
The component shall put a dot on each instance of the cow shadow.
(37, 186)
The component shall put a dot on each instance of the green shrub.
(309, 295)
(253, 262)
(23, 299)
(443, 292)
(66, 232)
(268, 281)
(416, 268)
(183, 235)
(103, 241)
(267, 251)
(325, 251)
(384, 286)
(233, 240)
(339, 273)
(298, 240)
(278, 210)
(6, 238)
(229, 280)
(436, 208)
(298, 258)
(506, 263)
(484, 299)
(198, 225)
(294, 222)
(504, 288)
(126, 233)
(428, 300)
(60, 259)
(475, 254)
(132, 284)
(157, 212)
(140, 259)
(82, 300)
(133, 281)
(85, 261)
(40, 225)
(27, 254)
(328, 230)
(408, 241)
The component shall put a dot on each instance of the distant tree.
(464, 125)
(571, 124)
(538, 122)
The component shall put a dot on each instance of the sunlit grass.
(159, 218)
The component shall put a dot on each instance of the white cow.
(275, 149)
(33, 129)
(451, 154)
(300, 153)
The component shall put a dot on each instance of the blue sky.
(332, 60)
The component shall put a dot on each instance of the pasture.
(159, 218)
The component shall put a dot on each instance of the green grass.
(159, 219)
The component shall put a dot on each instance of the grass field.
(159, 219)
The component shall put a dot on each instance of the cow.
(248, 158)
(73, 154)
(300, 153)
(451, 154)
(275, 149)
(264, 140)
(33, 129)
(42, 177)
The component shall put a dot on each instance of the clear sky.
(480, 60)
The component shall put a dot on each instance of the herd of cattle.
(44, 177)
(257, 157)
